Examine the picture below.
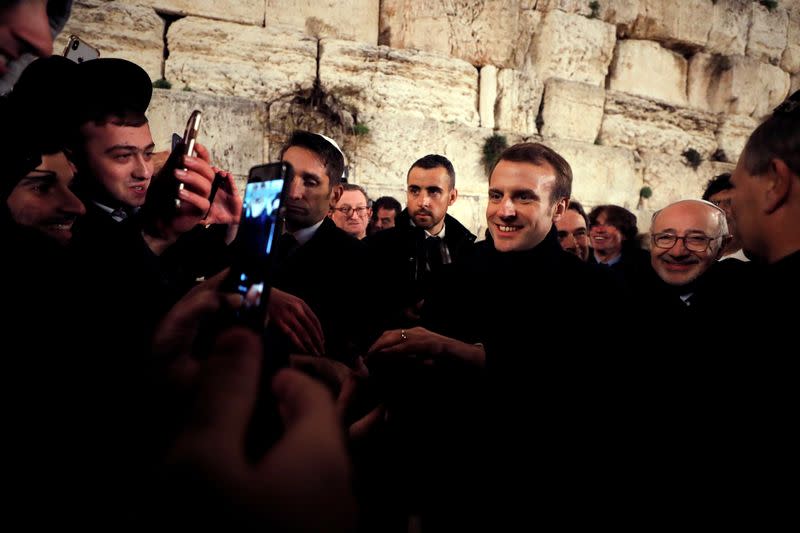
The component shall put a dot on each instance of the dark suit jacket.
(330, 274)
(398, 255)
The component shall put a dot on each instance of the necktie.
(433, 247)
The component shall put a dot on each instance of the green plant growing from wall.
(162, 84)
(594, 5)
(644, 193)
(360, 129)
(693, 158)
(187, 89)
(769, 4)
(492, 148)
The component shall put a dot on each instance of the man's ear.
(336, 194)
(453, 196)
(559, 209)
(779, 186)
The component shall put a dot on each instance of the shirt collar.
(304, 235)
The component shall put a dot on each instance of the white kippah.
(344, 159)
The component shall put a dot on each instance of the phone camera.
(75, 45)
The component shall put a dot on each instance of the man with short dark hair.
(352, 211)
(573, 230)
(308, 305)
(384, 214)
(424, 239)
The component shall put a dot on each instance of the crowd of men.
(559, 368)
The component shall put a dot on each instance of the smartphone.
(260, 226)
(80, 51)
(187, 147)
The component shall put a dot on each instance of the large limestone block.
(684, 24)
(736, 85)
(482, 33)
(730, 25)
(641, 124)
(622, 14)
(488, 95)
(239, 60)
(790, 62)
(600, 174)
(519, 94)
(569, 6)
(572, 110)
(573, 48)
(671, 179)
(118, 29)
(354, 20)
(768, 31)
(646, 69)
(243, 11)
(376, 80)
(732, 134)
(233, 129)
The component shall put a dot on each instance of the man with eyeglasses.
(687, 238)
(352, 212)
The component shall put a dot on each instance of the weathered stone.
(622, 14)
(488, 95)
(641, 124)
(573, 48)
(729, 27)
(354, 20)
(732, 134)
(377, 80)
(790, 62)
(578, 7)
(243, 11)
(117, 29)
(483, 33)
(736, 85)
(671, 179)
(768, 30)
(238, 60)
(646, 69)
(600, 174)
(572, 110)
(232, 129)
(682, 25)
(519, 95)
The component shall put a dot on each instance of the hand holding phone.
(80, 51)
(187, 148)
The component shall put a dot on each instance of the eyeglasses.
(695, 242)
(347, 210)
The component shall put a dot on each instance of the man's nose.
(507, 208)
(71, 204)
(296, 189)
(144, 168)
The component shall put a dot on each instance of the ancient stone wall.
(622, 88)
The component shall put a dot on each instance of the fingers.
(228, 387)
(388, 339)
(311, 325)
(202, 152)
(361, 427)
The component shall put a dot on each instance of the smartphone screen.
(259, 228)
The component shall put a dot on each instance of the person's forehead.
(685, 216)
(305, 160)
(571, 220)
(522, 174)
(427, 177)
(111, 134)
(384, 212)
(353, 198)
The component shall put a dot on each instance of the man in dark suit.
(424, 239)
(307, 257)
